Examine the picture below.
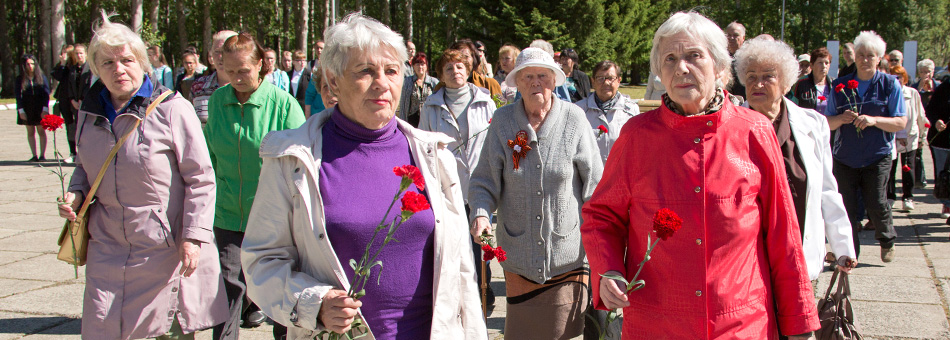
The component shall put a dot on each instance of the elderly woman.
(538, 166)
(416, 89)
(245, 111)
(311, 218)
(31, 91)
(926, 83)
(576, 81)
(152, 269)
(767, 69)
(812, 91)
(203, 87)
(862, 147)
(907, 141)
(736, 267)
(608, 108)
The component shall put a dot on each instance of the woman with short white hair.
(538, 166)
(152, 267)
(767, 69)
(325, 186)
(926, 83)
(866, 110)
(736, 267)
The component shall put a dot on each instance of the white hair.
(895, 54)
(738, 26)
(871, 41)
(765, 52)
(544, 45)
(699, 28)
(221, 36)
(363, 33)
(925, 64)
(110, 34)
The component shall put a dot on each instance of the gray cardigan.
(539, 204)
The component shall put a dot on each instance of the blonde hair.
(110, 34)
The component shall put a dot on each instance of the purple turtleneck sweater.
(357, 185)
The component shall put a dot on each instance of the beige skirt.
(551, 310)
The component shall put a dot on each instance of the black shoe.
(42, 159)
(253, 319)
(34, 159)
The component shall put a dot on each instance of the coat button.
(539, 270)
(698, 189)
(296, 170)
(171, 313)
(321, 236)
(697, 140)
(699, 293)
(538, 166)
(174, 289)
(540, 243)
(539, 193)
(699, 241)
(538, 217)
(436, 221)
(709, 123)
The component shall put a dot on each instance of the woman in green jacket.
(240, 115)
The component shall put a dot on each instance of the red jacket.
(736, 262)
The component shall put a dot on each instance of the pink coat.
(159, 190)
(736, 269)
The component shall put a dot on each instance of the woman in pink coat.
(152, 267)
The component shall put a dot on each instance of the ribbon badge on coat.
(519, 147)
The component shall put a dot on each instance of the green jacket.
(234, 133)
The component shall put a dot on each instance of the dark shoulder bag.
(835, 313)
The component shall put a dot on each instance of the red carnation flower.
(822, 98)
(489, 253)
(927, 125)
(852, 84)
(501, 254)
(51, 122)
(414, 202)
(666, 222)
(603, 129)
(839, 87)
(489, 120)
(411, 173)
(905, 168)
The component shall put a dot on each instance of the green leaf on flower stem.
(636, 285)
(353, 264)
(359, 294)
(616, 277)
(380, 264)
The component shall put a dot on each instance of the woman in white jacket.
(907, 142)
(768, 69)
(323, 189)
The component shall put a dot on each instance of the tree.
(57, 26)
(303, 20)
(137, 15)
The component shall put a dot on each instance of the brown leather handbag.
(835, 312)
(74, 239)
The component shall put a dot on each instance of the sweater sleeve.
(606, 216)
(486, 183)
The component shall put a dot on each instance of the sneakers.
(887, 254)
(908, 204)
(945, 213)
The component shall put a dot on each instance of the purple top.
(357, 184)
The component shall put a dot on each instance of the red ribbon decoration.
(519, 147)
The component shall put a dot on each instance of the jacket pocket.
(164, 232)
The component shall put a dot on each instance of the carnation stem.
(646, 257)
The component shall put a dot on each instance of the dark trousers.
(870, 182)
(229, 251)
(907, 177)
(920, 174)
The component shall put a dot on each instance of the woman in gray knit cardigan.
(538, 166)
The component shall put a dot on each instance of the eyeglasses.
(603, 79)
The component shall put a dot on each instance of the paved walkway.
(40, 298)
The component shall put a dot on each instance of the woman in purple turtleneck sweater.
(325, 186)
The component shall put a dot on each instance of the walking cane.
(484, 293)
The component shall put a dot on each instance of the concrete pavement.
(41, 299)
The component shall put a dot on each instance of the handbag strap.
(831, 285)
(115, 150)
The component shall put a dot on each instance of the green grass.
(4, 101)
(635, 92)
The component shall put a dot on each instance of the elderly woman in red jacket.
(721, 170)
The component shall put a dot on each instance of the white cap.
(804, 57)
(535, 57)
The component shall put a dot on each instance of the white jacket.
(612, 120)
(290, 264)
(825, 216)
(435, 116)
(916, 121)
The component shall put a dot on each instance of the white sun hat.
(535, 57)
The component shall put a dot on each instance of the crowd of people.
(247, 191)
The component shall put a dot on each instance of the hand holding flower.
(480, 226)
(69, 205)
(611, 292)
(338, 311)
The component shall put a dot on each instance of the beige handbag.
(74, 239)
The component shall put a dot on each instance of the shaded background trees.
(620, 30)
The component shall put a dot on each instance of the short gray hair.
(895, 53)
(738, 26)
(698, 27)
(870, 40)
(925, 64)
(768, 52)
(222, 36)
(110, 34)
(544, 45)
(362, 33)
